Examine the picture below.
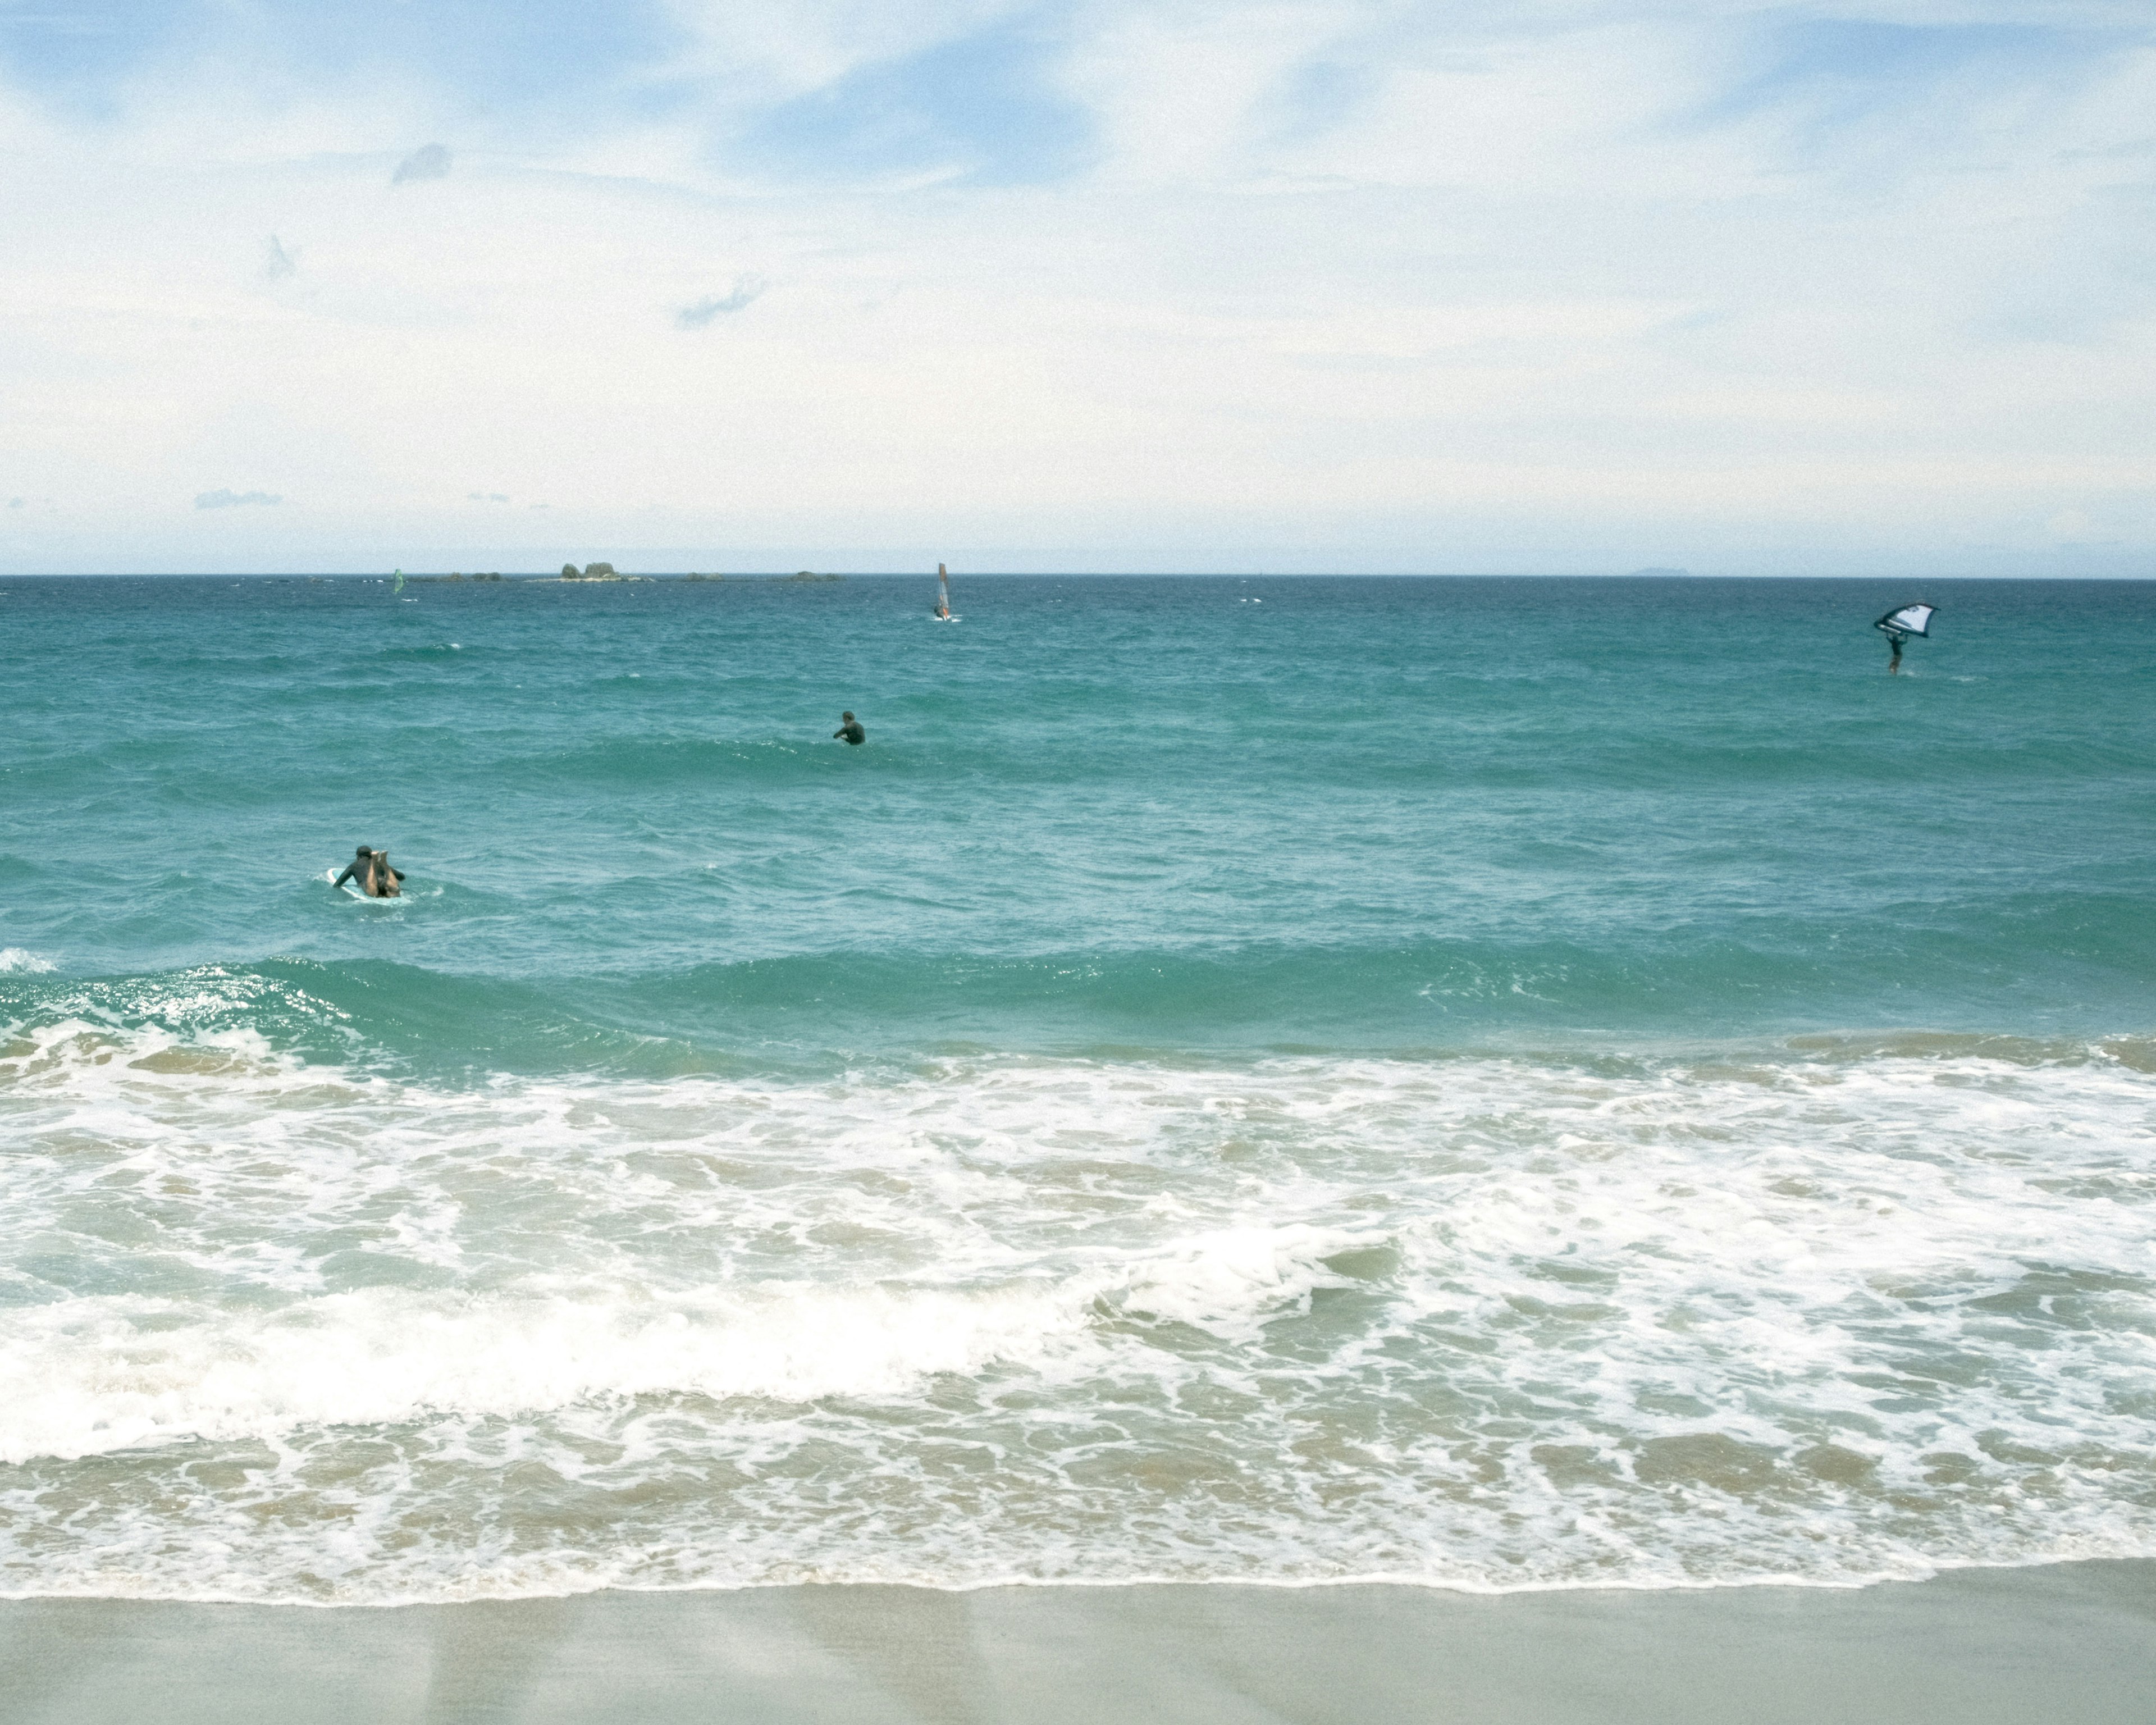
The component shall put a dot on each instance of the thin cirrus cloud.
(744, 292)
(1318, 96)
(430, 161)
(987, 109)
(234, 499)
(1830, 77)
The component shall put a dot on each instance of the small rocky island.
(591, 572)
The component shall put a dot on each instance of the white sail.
(1906, 620)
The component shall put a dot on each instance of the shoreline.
(1969, 1646)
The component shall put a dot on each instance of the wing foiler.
(1907, 620)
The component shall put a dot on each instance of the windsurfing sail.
(943, 592)
(399, 587)
(1906, 620)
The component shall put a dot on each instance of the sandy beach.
(2065, 1642)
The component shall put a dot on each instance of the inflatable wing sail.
(1906, 620)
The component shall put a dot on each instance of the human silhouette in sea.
(1898, 625)
(370, 871)
(852, 729)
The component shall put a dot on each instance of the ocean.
(1493, 1084)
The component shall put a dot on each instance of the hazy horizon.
(778, 572)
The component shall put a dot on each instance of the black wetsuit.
(853, 730)
(357, 876)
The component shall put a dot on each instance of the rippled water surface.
(1496, 1084)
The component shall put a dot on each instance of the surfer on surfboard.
(370, 871)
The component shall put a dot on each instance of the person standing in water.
(370, 871)
(852, 729)
(1898, 625)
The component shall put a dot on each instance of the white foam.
(16, 958)
(290, 1331)
(102, 1374)
(1231, 1282)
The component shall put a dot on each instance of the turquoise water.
(1351, 815)
(1488, 1082)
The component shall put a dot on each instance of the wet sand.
(2073, 1641)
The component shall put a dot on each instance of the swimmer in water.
(370, 871)
(852, 729)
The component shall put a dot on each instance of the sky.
(1544, 286)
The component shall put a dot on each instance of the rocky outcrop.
(591, 572)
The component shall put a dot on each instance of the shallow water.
(1502, 1084)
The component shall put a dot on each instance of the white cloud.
(233, 499)
(1561, 286)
